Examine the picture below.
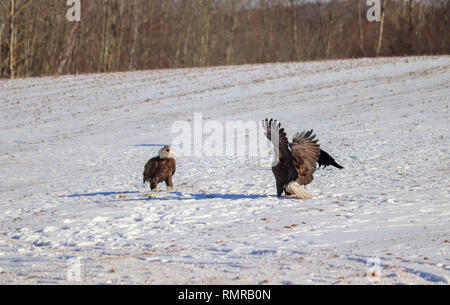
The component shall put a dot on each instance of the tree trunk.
(68, 53)
(231, 32)
(29, 49)
(187, 35)
(150, 21)
(294, 25)
(204, 28)
(267, 45)
(54, 41)
(410, 15)
(361, 30)
(2, 27)
(164, 59)
(105, 47)
(135, 33)
(119, 48)
(330, 26)
(12, 38)
(380, 28)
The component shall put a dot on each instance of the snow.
(74, 210)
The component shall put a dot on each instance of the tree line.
(36, 39)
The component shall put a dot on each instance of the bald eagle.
(296, 162)
(160, 169)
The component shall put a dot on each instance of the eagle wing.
(174, 166)
(150, 169)
(305, 155)
(279, 139)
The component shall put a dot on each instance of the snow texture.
(74, 210)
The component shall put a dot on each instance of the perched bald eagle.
(296, 161)
(160, 169)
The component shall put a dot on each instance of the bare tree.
(120, 35)
(294, 29)
(131, 65)
(185, 35)
(2, 27)
(107, 37)
(68, 53)
(204, 29)
(361, 30)
(15, 9)
(232, 26)
(381, 27)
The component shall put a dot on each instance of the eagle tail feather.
(295, 188)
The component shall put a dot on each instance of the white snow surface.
(73, 149)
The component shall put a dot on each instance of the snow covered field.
(73, 208)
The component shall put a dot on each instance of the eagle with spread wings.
(296, 162)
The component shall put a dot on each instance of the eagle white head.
(165, 152)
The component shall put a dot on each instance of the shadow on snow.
(99, 194)
(202, 196)
(177, 196)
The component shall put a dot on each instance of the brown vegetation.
(121, 35)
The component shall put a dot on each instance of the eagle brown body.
(160, 169)
(296, 161)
